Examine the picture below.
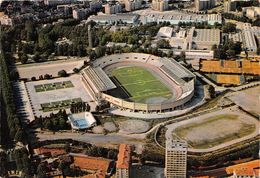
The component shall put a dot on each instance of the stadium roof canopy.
(98, 79)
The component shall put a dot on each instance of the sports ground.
(215, 130)
(139, 85)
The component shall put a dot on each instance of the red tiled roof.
(231, 66)
(244, 169)
(98, 174)
(91, 163)
(124, 156)
(52, 151)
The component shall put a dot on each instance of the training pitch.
(211, 131)
(139, 84)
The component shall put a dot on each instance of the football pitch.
(140, 85)
(215, 130)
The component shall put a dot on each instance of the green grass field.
(214, 130)
(64, 104)
(53, 86)
(139, 84)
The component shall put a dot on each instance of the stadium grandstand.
(96, 81)
(178, 79)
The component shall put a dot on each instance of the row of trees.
(11, 127)
(54, 122)
(79, 107)
(237, 18)
(228, 50)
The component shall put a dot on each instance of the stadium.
(139, 82)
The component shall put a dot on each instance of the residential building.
(5, 20)
(123, 164)
(252, 12)
(160, 5)
(204, 4)
(55, 2)
(175, 19)
(115, 18)
(229, 6)
(176, 159)
(80, 13)
(131, 5)
(249, 40)
(113, 9)
(95, 5)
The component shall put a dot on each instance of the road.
(97, 139)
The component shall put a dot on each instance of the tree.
(76, 70)
(231, 53)
(163, 44)
(3, 165)
(33, 79)
(14, 75)
(212, 91)
(30, 31)
(62, 73)
(47, 76)
(24, 59)
(100, 51)
(36, 57)
(229, 28)
(41, 170)
(19, 136)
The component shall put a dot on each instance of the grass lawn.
(57, 105)
(53, 86)
(214, 131)
(140, 84)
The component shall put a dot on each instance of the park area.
(214, 129)
(139, 85)
(61, 93)
(53, 86)
(57, 105)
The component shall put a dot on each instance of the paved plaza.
(38, 98)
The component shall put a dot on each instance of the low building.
(246, 67)
(165, 32)
(205, 38)
(115, 19)
(81, 120)
(93, 164)
(160, 5)
(192, 39)
(49, 152)
(248, 169)
(123, 164)
(113, 9)
(230, 72)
